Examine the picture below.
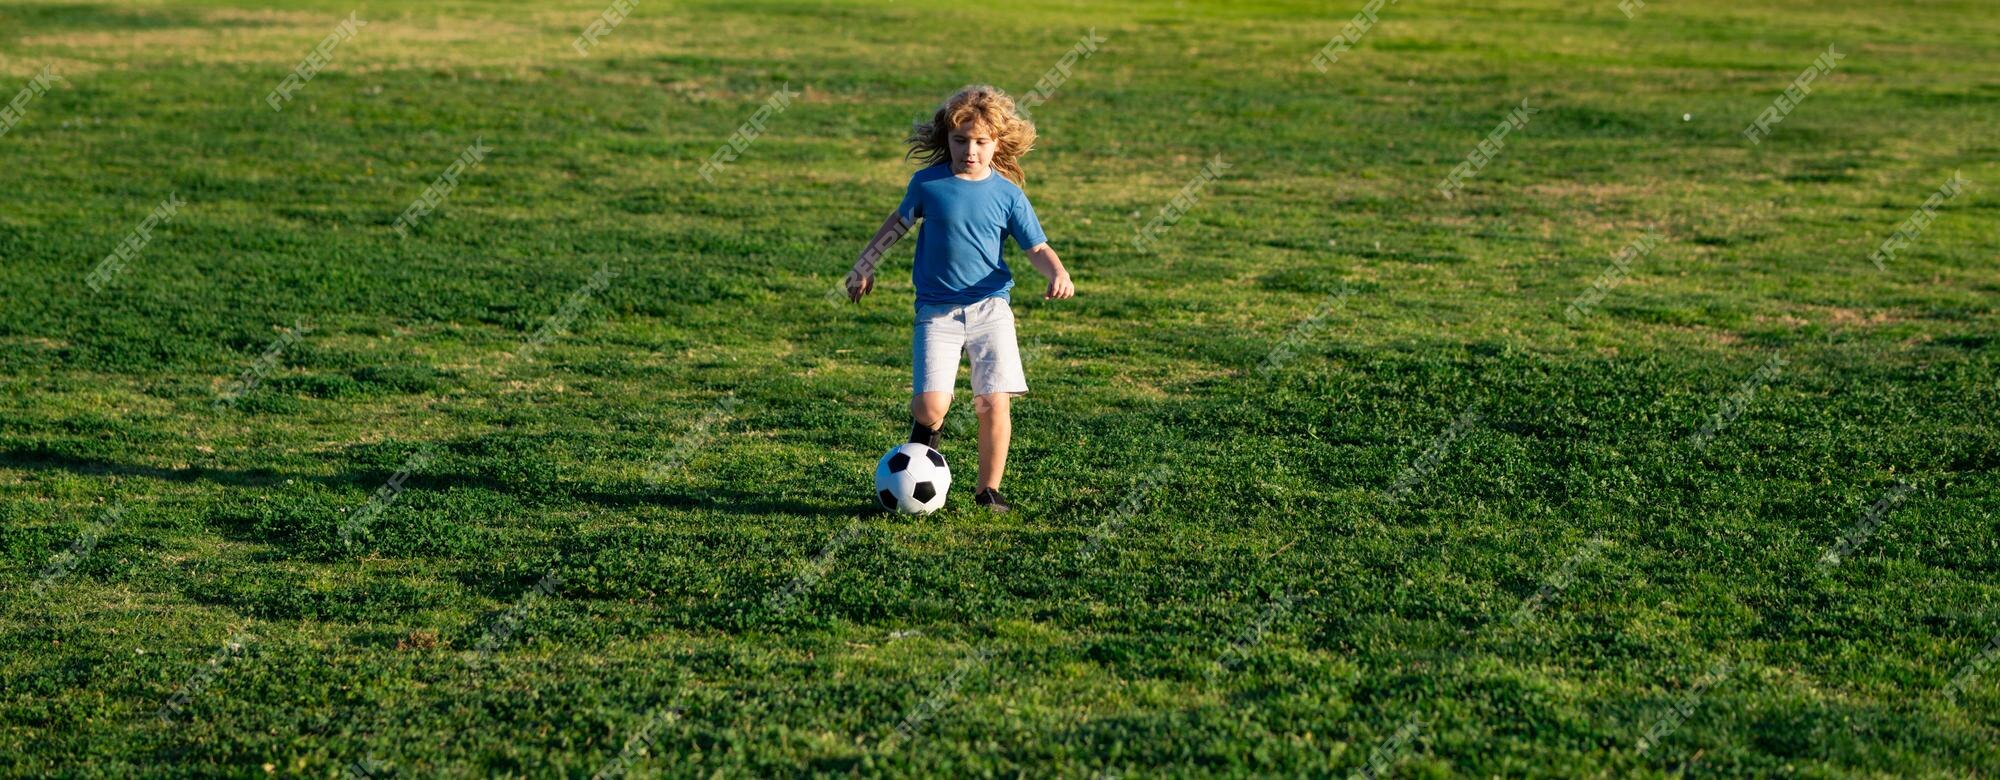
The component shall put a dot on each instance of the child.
(960, 279)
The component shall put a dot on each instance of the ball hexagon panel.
(912, 479)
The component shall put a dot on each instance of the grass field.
(1326, 479)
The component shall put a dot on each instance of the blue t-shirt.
(958, 246)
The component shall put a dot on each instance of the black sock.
(922, 434)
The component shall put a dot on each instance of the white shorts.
(983, 331)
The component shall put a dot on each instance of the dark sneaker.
(991, 499)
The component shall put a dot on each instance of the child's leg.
(996, 379)
(928, 409)
(935, 346)
(996, 430)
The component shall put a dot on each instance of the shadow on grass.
(735, 502)
(551, 493)
(108, 16)
(44, 460)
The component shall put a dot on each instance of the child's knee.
(990, 403)
(930, 408)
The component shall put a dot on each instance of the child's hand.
(1043, 257)
(1059, 288)
(859, 284)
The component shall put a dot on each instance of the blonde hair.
(1013, 135)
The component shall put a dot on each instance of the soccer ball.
(912, 479)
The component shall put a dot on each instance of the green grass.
(1275, 606)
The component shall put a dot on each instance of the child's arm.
(862, 279)
(1043, 257)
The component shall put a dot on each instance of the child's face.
(972, 147)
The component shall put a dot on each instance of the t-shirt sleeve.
(1022, 224)
(912, 207)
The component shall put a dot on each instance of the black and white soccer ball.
(912, 479)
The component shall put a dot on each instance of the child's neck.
(989, 174)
